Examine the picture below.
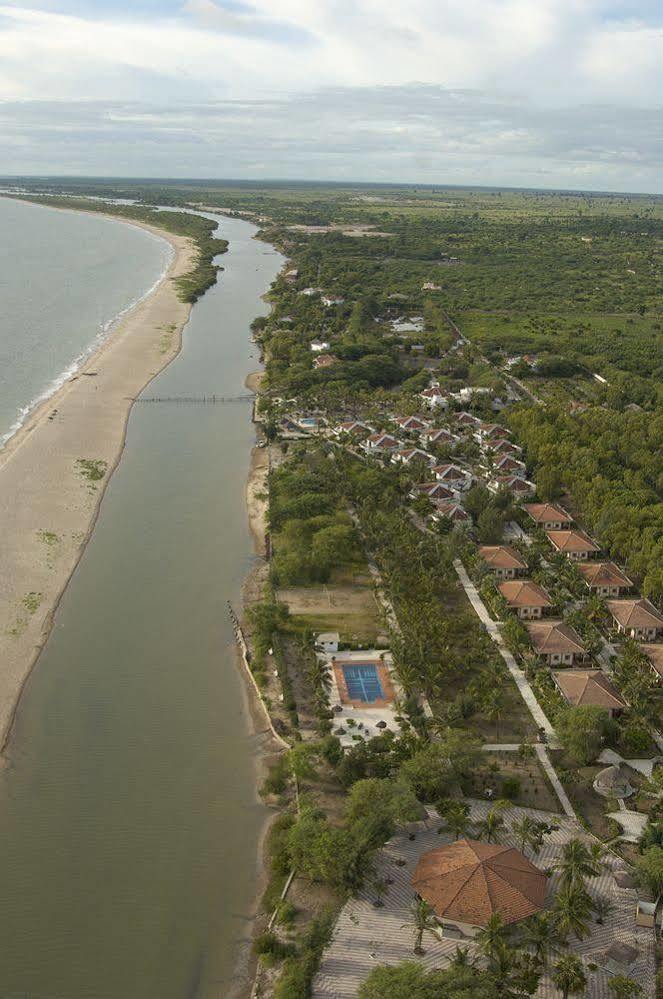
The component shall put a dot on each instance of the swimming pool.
(363, 682)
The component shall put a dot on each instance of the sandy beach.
(54, 471)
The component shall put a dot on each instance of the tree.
(429, 772)
(423, 921)
(569, 976)
(540, 933)
(491, 825)
(456, 815)
(622, 987)
(490, 526)
(573, 911)
(578, 862)
(526, 832)
(582, 731)
(649, 870)
(490, 939)
(410, 980)
(389, 803)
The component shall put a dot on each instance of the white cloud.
(292, 87)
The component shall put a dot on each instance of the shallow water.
(64, 278)
(129, 822)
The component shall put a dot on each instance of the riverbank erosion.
(54, 471)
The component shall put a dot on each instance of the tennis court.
(363, 682)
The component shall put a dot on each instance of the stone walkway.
(366, 936)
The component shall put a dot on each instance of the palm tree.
(491, 937)
(568, 975)
(461, 958)
(491, 824)
(573, 910)
(423, 920)
(578, 862)
(526, 832)
(540, 933)
(493, 708)
(457, 818)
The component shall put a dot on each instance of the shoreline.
(49, 501)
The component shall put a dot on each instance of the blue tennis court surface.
(363, 683)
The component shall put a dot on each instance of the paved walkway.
(366, 936)
(523, 686)
(493, 630)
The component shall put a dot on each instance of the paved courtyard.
(366, 936)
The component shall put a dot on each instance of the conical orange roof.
(468, 881)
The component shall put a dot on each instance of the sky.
(536, 93)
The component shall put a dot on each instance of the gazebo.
(613, 782)
(467, 882)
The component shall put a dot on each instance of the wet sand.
(49, 501)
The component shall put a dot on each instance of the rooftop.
(524, 593)
(545, 512)
(635, 613)
(468, 881)
(572, 541)
(502, 557)
(588, 686)
(655, 655)
(603, 574)
(550, 637)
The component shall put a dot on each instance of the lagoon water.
(64, 278)
(129, 822)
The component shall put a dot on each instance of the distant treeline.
(203, 275)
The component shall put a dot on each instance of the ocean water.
(65, 278)
(129, 818)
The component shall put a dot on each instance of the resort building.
(589, 687)
(451, 510)
(363, 694)
(324, 361)
(548, 516)
(527, 599)
(435, 491)
(464, 419)
(454, 476)
(503, 447)
(407, 455)
(490, 431)
(556, 642)
(381, 444)
(503, 560)
(505, 463)
(434, 397)
(636, 618)
(467, 882)
(413, 424)
(438, 435)
(514, 484)
(605, 579)
(654, 654)
(576, 544)
(327, 641)
(317, 346)
(355, 428)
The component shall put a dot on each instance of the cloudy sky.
(546, 93)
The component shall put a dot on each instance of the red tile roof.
(604, 574)
(502, 557)
(635, 613)
(588, 687)
(571, 541)
(468, 882)
(550, 637)
(524, 593)
(548, 512)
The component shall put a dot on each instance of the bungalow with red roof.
(654, 654)
(576, 544)
(556, 642)
(465, 419)
(503, 447)
(407, 455)
(355, 428)
(605, 579)
(592, 687)
(434, 491)
(504, 561)
(413, 424)
(438, 435)
(381, 444)
(490, 431)
(636, 618)
(454, 476)
(506, 464)
(548, 516)
(519, 487)
(450, 510)
(526, 598)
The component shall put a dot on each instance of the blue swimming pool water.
(363, 683)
